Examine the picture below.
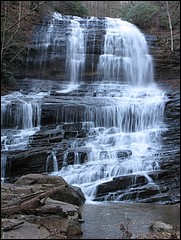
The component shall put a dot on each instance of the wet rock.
(31, 160)
(160, 226)
(124, 153)
(119, 184)
(44, 182)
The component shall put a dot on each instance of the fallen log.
(25, 205)
(19, 199)
(12, 226)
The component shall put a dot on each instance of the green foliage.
(77, 9)
(81, 9)
(141, 13)
(151, 14)
(74, 8)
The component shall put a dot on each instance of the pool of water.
(102, 220)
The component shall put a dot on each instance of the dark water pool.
(102, 220)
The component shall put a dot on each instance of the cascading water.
(20, 119)
(75, 59)
(52, 158)
(121, 110)
(125, 112)
(123, 139)
(125, 54)
(51, 46)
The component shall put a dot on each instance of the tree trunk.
(166, 6)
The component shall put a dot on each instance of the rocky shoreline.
(38, 206)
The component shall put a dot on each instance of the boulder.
(32, 208)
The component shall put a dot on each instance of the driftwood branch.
(13, 225)
(28, 203)
(20, 200)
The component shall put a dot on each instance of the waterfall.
(20, 119)
(3, 167)
(20, 113)
(104, 78)
(50, 44)
(75, 60)
(125, 54)
(46, 38)
(52, 159)
(70, 47)
(126, 111)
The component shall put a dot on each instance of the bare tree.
(171, 9)
(17, 21)
(167, 9)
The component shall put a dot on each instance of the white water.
(124, 108)
(75, 60)
(20, 119)
(52, 159)
(125, 54)
(3, 167)
(50, 36)
(129, 123)
(126, 115)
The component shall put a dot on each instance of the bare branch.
(18, 53)
(166, 6)
(19, 14)
(32, 10)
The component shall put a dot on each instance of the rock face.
(166, 63)
(38, 157)
(56, 215)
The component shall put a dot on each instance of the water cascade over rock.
(96, 114)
